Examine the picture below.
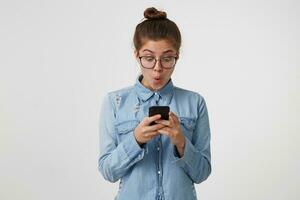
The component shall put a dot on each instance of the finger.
(153, 127)
(165, 131)
(174, 118)
(153, 118)
(151, 134)
(164, 122)
(148, 120)
(171, 119)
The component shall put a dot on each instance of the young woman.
(161, 161)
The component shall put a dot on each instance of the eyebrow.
(163, 52)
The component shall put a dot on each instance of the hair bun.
(153, 13)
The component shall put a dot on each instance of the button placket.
(156, 102)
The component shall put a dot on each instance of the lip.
(157, 79)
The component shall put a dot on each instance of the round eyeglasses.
(166, 62)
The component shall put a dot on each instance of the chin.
(157, 86)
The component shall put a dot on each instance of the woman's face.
(158, 76)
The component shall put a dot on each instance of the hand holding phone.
(144, 132)
(147, 129)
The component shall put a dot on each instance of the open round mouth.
(157, 79)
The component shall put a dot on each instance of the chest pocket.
(188, 126)
(125, 128)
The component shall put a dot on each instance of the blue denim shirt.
(154, 171)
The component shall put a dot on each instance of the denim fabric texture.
(153, 171)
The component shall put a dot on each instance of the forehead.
(158, 47)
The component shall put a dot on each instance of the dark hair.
(156, 27)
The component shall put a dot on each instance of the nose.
(157, 66)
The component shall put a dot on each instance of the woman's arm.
(196, 160)
(115, 159)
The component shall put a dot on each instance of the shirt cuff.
(188, 155)
(132, 148)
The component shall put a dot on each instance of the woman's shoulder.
(117, 95)
(181, 92)
(121, 91)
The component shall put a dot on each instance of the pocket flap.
(188, 123)
(126, 126)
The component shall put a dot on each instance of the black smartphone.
(162, 110)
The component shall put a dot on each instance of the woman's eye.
(149, 59)
(167, 59)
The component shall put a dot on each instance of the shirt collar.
(145, 93)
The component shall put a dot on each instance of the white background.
(59, 58)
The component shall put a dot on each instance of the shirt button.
(157, 148)
(158, 172)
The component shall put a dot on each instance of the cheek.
(169, 73)
(145, 72)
